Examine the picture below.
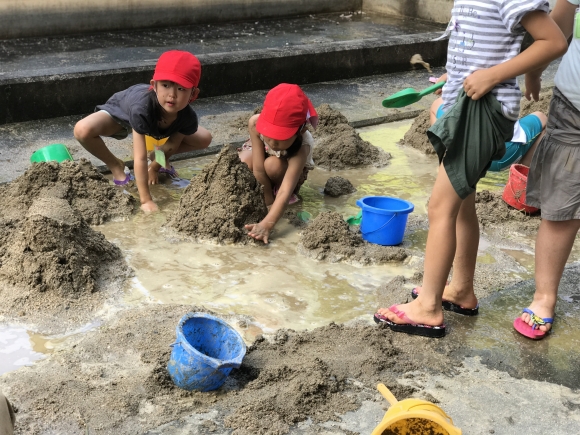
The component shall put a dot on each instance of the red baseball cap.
(180, 67)
(286, 108)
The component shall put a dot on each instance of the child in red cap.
(279, 151)
(160, 110)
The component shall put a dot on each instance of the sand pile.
(50, 258)
(294, 376)
(241, 122)
(338, 186)
(339, 146)
(79, 183)
(53, 249)
(416, 136)
(328, 237)
(493, 212)
(217, 204)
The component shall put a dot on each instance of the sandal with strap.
(410, 327)
(171, 172)
(127, 180)
(533, 331)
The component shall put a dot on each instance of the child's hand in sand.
(149, 207)
(258, 231)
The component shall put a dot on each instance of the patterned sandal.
(533, 331)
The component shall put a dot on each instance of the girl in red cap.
(279, 151)
(160, 110)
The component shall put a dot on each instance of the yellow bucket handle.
(387, 394)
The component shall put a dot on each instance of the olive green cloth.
(468, 137)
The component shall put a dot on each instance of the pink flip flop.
(410, 327)
(533, 331)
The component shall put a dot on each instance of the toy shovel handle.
(387, 394)
(431, 89)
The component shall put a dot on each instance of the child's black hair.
(293, 149)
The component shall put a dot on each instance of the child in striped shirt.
(481, 103)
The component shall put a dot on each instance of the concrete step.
(59, 76)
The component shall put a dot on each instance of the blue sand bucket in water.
(384, 219)
(204, 353)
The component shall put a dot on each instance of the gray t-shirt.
(568, 74)
(137, 107)
(483, 34)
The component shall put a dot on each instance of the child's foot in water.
(119, 175)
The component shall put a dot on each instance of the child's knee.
(82, 130)
(205, 138)
(275, 168)
(543, 118)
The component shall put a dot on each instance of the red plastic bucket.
(515, 190)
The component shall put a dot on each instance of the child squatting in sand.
(160, 110)
(481, 103)
(279, 151)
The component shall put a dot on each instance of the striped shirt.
(483, 34)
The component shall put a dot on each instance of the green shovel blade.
(409, 96)
(354, 220)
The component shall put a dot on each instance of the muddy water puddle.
(268, 287)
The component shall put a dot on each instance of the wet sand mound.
(339, 146)
(416, 136)
(54, 249)
(241, 122)
(493, 212)
(294, 376)
(328, 237)
(79, 183)
(220, 201)
(337, 186)
(542, 105)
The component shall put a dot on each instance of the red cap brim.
(172, 77)
(274, 131)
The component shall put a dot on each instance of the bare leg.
(460, 290)
(553, 246)
(444, 207)
(88, 132)
(433, 110)
(275, 169)
(527, 158)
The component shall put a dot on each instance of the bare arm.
(258, 157)
(140, 168)
(549, 44)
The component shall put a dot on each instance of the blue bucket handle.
(230, 364)
(382, 226)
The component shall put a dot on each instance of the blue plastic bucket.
(204, 353)
(384, 219)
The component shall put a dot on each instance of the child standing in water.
(554, 180)
(161, 110)
(279, 151)
(481, 103)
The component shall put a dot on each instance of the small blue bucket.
(384, 219)
(205, 352)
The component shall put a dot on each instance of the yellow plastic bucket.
(151, 142)
(413, 417)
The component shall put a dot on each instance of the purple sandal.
(171, 172)
(127, 179)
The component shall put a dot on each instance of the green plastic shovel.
(354, 220)
(409, 96)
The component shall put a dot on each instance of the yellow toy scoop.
(409, 96)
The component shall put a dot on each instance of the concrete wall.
(430, 10)
(22, 18)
